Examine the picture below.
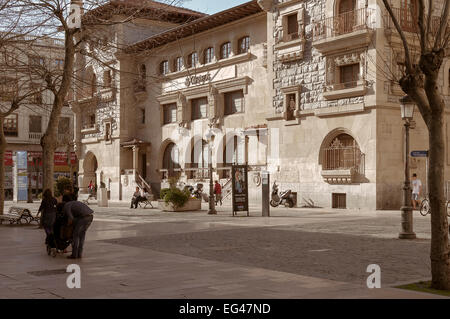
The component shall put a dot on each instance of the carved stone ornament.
(347, 59)
(266, 5)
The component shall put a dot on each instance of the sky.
(211, 6)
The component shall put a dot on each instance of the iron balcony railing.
(345, 23)
(408, 21)
(344, 158)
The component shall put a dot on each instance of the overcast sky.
(211, 6)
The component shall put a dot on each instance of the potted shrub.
(175, 200)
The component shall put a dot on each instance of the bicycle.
(425, 207)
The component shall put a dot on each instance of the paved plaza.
(298, 253)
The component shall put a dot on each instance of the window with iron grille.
(343, 153)
(209, 55)
(234, 102)
(199, 108)
(35, 124)
(10, 125)
(225, 50)
(192, 59)
(349, 75)
(244, 45)
(170, 113)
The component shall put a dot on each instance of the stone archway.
(90, 168)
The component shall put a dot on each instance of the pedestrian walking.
(218, 193)
(80, 216)
(417, 191)
(48, 214)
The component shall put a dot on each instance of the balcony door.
(345, 20)
(408, 15)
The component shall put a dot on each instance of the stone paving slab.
(158, 255)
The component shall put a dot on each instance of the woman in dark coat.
(48, 214)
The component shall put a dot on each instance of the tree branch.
(442, 26)
(422, 30)
(409, 68)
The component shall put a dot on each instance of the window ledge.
(358, 90)
(339, 177)
(90, 130)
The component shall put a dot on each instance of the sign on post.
(419, 154)
(240, 189)
(22, 175)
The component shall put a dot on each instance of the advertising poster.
(240, 189)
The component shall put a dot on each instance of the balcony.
(354, 28)
(345, 90)
(35, 137)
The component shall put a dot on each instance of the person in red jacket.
(218, 192)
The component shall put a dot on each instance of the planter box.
(191, 206)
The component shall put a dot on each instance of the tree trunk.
(48, 144)
(440, 262)
(2, 166)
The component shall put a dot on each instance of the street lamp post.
(407, 107)
(212, 206)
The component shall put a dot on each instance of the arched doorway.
(171, 163)
(90, 167)
(345, 16)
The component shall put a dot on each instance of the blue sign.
(22, 160)
(419, 154)
(22, 183)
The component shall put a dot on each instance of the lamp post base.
(407, 224)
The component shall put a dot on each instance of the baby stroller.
(62, 234)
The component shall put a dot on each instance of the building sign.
(240, 189)
(60, 158)
(225, 73)
(198, 80)
(22, 160)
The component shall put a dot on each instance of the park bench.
(17, 215)
(84, 198)
(147, 202)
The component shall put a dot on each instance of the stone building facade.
(308, 84)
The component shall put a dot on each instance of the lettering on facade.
(198, 79)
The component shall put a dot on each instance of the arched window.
(143, 73)
(178, 64)
(244, 44)
(342, 153)
(171, 160)
(209, 55)
(225, 50)
(200, 160)
(233, 153)
(192, 59)
(164, 67)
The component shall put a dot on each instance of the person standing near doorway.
(218, 192)
(416, 192)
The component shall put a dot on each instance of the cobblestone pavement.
(150, 254)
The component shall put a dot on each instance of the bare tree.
(420, 82)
